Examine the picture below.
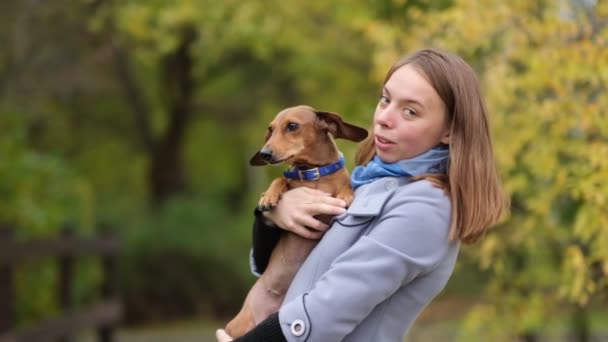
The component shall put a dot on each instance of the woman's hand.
(298, 207)
(222, 336)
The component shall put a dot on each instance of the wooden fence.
(101, 316)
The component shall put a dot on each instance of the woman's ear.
(445, 139)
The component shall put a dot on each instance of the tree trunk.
(166, 170)
(529, 337)
(166, 173)
(581, 331)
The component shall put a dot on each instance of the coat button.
(298, 327)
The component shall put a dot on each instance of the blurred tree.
(112, 105)
(144, 81)
(543, 68)
(138, 102)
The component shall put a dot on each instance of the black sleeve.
(268, 330)
(265, 237)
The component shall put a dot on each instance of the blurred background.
(142, 115)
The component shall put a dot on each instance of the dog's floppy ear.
(256, 160)
(340, 129)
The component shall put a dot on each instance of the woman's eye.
(292, 126)
(384, 100)
(409, 112)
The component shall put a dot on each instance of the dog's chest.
(331, 184)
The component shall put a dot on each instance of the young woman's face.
(410, 117)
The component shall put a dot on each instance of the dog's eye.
(292, 126)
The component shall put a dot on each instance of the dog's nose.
(266, 154)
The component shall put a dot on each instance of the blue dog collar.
(315, 173)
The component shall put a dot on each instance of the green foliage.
(74, 148)
(75, 151)
(39, 195)
(189, 258)
(540, 64)
(38, 191)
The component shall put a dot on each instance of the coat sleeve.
(264, 238)
(408, 239)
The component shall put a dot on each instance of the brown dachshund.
(303, 138)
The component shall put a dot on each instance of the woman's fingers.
(312, 191)
(325, 208)
(318, 196)
(298, 209)
(309, 227)
(307, 233)
(313, 223)
(317, 202)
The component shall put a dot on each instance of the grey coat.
(377, 267)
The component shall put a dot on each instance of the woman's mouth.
(381, 142)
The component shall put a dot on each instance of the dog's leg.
(346, 194)
(272, 196)
(268, 292)
(258, 305)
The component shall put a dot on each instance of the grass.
(440, 321)
(199, 330)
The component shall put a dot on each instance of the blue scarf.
(434, 160)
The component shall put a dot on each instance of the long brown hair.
(472, 180)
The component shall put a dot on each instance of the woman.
(426, 182)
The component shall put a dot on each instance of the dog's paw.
(346, 197)
(268, 201)
(263, 207)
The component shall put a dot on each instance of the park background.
(143, 114)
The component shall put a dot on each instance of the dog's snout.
(266, 154)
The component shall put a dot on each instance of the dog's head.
(300, 135)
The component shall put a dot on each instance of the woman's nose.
(383, 117)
